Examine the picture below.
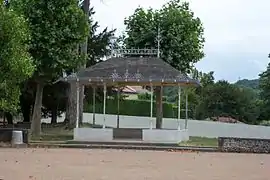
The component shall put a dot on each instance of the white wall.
(196, 128)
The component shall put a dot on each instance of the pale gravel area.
(75, 164)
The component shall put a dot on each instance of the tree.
(16, 64)
(225, 99)
(254, 83)
(181, 36)
(264, 86)
(56, 27)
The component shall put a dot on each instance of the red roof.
(225, 119)
(133, 90)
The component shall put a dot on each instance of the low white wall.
(91, 134)
(164, 135)
(196, 128)
(217, 129)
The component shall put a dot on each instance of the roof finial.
(158, 41)
(122, 52)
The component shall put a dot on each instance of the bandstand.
(140, 67)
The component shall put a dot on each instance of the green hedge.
(131, 108)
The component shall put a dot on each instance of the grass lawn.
(57, 132)
(200, 141)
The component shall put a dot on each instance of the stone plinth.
(93, 134)
(165, 135)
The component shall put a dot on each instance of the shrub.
(265, 123)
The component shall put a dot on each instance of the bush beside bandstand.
(131, 108)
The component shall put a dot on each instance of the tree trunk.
(159, 109)
(81, 105)
(4, 119)
(71, 112)
(68, 94)
(54, 116)
(86, 4)
(25, 106)
(9, 117)
(36, 118)
(26, 111)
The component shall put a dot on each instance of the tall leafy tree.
(56, 27)
(181, 36)
(16, 64)
(265, 92)
(181, 33)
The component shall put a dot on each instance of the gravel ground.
(75, 164)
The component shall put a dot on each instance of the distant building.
(131, 92)
(225, 119)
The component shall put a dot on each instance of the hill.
(253, 83)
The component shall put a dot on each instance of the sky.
(237, 32)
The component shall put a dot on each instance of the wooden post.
(94, 105)
(78, 104)
(118, 106)
(159, 109)
(104, 104)
(151, 108)
(179, 107)
(186, 111)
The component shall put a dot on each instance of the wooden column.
(159, 109)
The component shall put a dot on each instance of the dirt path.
(75, 164)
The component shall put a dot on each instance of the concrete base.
(148, 136)
(165, 135)
(93, 134)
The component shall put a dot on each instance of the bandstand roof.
(132, 71)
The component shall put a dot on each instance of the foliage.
(16, 64)
(127, 108)
(145, 96)
(54, 99)
(181, 33)
(225, 99)
(204, 78)
(175, 28)
(56, 27)
(265, 123)
(218, 99)
(253, 83)
(97, 48)
(98, 43)
(265, 92)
